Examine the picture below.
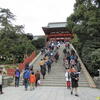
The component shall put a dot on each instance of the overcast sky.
(34, 14)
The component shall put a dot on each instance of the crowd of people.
(29, 77)
(70, 62)
(50, 54)
(73, 68)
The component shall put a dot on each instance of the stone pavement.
(48, 93)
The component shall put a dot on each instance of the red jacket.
(32, 78)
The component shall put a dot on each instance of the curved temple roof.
(58, 27)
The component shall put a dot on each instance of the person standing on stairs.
(17, 77)
(26, 76)
(56, 56)
(41, 63)
(68, 78)
(78, 66)
(32, 81)
(49, 65)
(68, 58)
(37, 75)
(74, 80)
(64, 51)
(43, 71)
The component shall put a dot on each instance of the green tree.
(14, 43)
(85, 22)
(39, 43)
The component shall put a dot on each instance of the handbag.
(39, 82)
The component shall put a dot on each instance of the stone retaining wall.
(97, 82)
(7, 81)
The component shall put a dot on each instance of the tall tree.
(85, 22)
(14, 43)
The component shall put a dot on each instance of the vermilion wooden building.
(57, 31)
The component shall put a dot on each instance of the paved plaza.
(48, 93)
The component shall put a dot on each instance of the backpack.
(26, 74)
(74, 76)
(48, 62)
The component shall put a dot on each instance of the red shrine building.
(57, 32)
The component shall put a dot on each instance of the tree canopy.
(14, 43)
(85, 22)
(39, 43)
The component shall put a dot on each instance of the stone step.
(53, 82)
(54, 85)
(82, 84)
(57, 81)
(63, 85)
(58, 71)
(54, 79)
(61, 77)
(63, 80)
(55, 75)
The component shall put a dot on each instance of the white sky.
(34, 14)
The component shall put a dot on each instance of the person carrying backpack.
(43, 71)
(17, 77)
(26, 76)
(74, 80)
(49, 65)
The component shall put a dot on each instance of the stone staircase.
(56, 77)
(83, 81)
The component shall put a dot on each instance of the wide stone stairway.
(57, 75)
(53, 86)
